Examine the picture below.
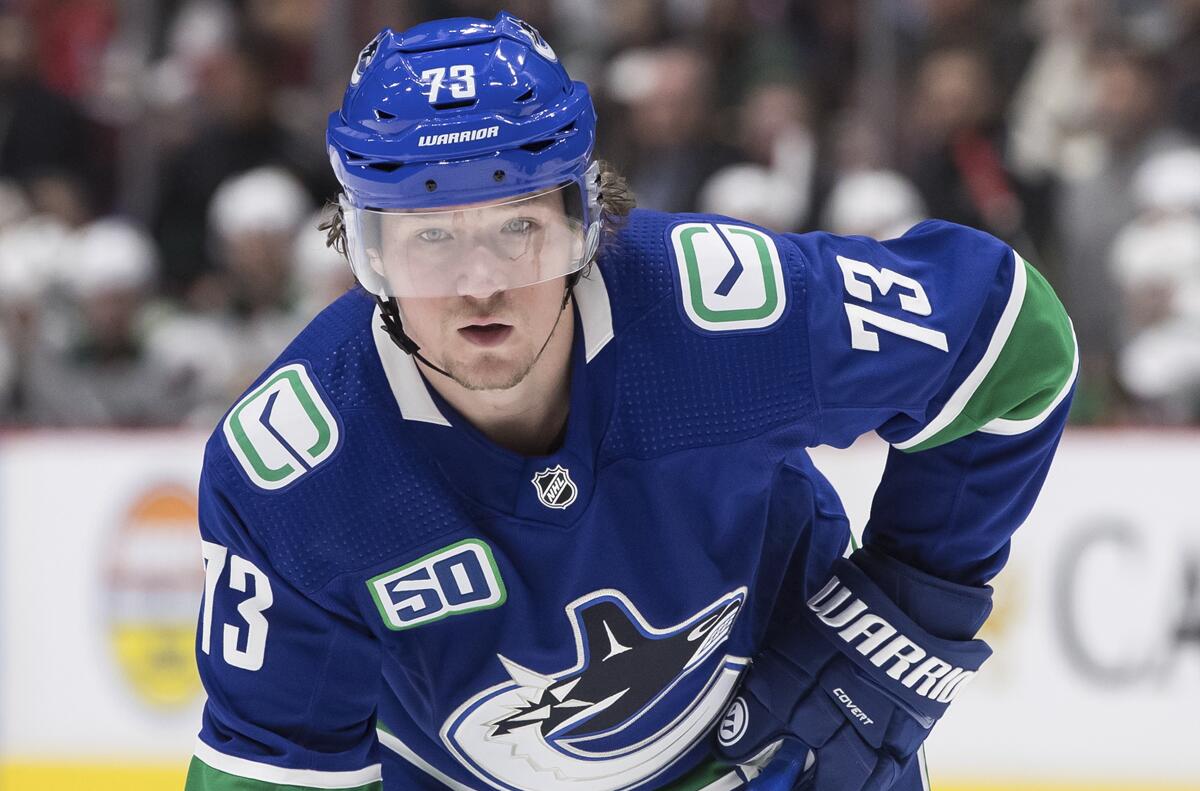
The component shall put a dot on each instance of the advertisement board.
(100, 579)
(1094, 683)
(1096, 627)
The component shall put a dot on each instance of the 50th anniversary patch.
(283, 429)
(730, 276)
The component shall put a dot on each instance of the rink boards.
(1094, 684)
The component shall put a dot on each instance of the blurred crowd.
(162, 167)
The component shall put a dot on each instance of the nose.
(481, 275)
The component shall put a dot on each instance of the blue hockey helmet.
(461, 113)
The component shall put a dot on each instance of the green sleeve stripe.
(211, 770)
(1031, 373)
(951, 412)
(1013, 423)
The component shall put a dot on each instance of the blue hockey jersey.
(393, 601)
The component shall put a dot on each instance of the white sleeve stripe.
(1008, 427)
(958, 400)
(409, 754)
(267, 773)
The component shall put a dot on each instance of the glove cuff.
(944, 609)
(924, 672)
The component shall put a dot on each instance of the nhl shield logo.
(555, 488)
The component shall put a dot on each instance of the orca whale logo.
(636, 700)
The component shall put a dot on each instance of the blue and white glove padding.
(859, 678)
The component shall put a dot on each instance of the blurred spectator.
(881, 204)
(62, 196)
(31, 255)
(960, 142)
(753, 193)
(236, 131)
(666, 145)
(1050, 110)
(42, 130)
(71, 36)
(253, 221)
(775, 188)
(1169, 183)
(1156, 264)
(1127, 126)
(99, 374)
(1184, 62)
(1015, 116)
(994, 29)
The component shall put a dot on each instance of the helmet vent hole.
(455, 105)
(499, 175)
(525, 96)
(384, 115)
(538, 146)
(430, 185)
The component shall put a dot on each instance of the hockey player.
(531, 509)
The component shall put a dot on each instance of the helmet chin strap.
(389, 311)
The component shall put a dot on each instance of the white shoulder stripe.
(958, 400)
(266, 773)
(409, 754)
(1010, 427)
(404, 378)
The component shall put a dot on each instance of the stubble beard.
(479, 381)
(500, 380)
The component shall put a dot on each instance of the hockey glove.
(855, 678)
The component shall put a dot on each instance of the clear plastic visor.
(473, 250)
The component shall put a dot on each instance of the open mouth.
(486, 334)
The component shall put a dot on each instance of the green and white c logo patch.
(730, 276)
(282, 429)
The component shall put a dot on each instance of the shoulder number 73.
(912, 299)
(251, 610)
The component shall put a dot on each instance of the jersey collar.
(499, 479)
(412, 394)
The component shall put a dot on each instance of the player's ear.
(376, 261)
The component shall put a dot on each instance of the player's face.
(487, 335)
(486, 342)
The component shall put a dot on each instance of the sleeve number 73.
(251, 610)
(914, 301)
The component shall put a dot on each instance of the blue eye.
(519, 225)
(433, 235)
